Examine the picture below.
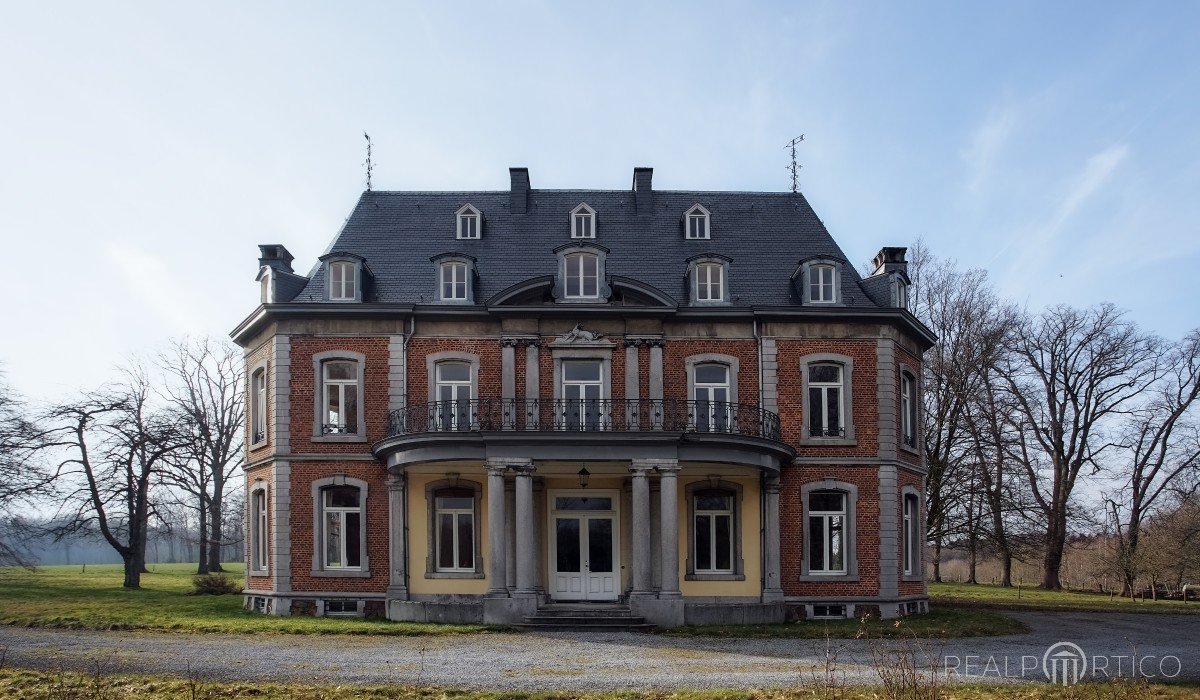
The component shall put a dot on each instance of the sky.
(146, 149)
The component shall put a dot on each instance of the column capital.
(634, 342)
(499, 465)
(395, 482)
(773, 485)
(659, 465)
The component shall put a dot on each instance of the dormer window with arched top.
(470, 223)
(344, 275)
(580, 276)
(818, 281)
(696, 223)
(455, 278)
(266, 285)
(583, 222)
(708, 279)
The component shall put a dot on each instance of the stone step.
(584, 612)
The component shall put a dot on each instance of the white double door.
(584, 551)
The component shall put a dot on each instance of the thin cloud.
(151, 283)
(986, 143)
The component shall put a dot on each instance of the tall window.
(258, 406)
(583, 222)
(825, 400)
(912, 535)
(583, 276)
(342, 523)
(827, 532)
(582, 387)
(455, 538)
(714, 532)
(341, 281)
(697, 223)
(908, 409)
(712, 397)
(340, 387)
(468, 222)
(453, 396)
(710, 282)
(820, 284)
(454, 281)
(264, 284)
(258, 541)
(901, 294)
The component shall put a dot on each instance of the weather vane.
(368, 163)
(793, 167)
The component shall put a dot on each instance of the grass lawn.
(92, 598)
(36, 685)
(941, 622)
(986, 596)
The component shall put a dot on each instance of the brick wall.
(375, 400)
(266, 473)
(488, 350)
(676, 352)
(260, 354)
(864, 405)
(902, 451)
(917, 481)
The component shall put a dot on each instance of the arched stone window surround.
(712, 358)
(459, 220)
(259, 566)
(431, 363)
(803, 275)
(603, 290)
(851, 492)
(319, 359)
(318, 565)
(739, 565)
(431, 490)
(454, 257)
(715, 258)
(918, 572)
(260, 366)
(847, 364)
(358, 263)
(918, 433)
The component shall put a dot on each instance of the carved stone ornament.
(578, 334)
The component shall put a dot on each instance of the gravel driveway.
(594, 661)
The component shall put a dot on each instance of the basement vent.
(259, 604)
(341, 607)
(829, 612)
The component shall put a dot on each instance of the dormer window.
(341, 281)
(454, 281)
(818, 281)
(266, 285)
(345, 274)
(710, 282)
(583, 222)
(469, 223)
(583, 276)
(696, 223)
(820, 284)
(901, 294)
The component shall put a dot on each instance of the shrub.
(214, 584)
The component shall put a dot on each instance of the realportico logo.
(1063, 663)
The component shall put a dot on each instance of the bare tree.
(1071, 372)
(117, 442)
(1162, 451)
(205, 388)
(23, 475)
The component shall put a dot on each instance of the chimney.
(890, 260)
(643, 191)
(518, 195)
(275, 256)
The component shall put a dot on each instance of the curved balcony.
(604, 428)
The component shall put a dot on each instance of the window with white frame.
(454, 516)
(341, 511)
(710, 282)
(713, 546)
(912, 535)
(825, 400)
(258, 406)
(821, 284)
(264, 283)
(711, 394)
(341, 281)
(454, 281)
(697, 223)
(340, 399)
(901, 294)
(453, 392)
(582, 391)
(583, 222)
(908, 409)
(583, 276)
(258, 535)
(468, 222)
(827, 532)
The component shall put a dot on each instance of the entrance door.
(584, 550)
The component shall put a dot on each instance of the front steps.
(598, 617)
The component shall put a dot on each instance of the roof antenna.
(793, 167)
(368, 163)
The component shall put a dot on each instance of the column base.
(508, 611)
(663, 612)
(772, 595)
(397, 593)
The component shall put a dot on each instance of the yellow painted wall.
(751, 552)
(418, 540)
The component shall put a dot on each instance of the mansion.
(573, 407)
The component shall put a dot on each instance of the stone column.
(640, 530)
(397, 546)
(633, 390)
(772, 580)
(526, 533)
(497, 570)
(533, 386)
(510, 534)
(669, 526)
(508, 383)
(655, 377)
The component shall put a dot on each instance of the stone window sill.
(832, 578)
(258, 572)
(454, 574)
(912, 577)
(714, 577)
(911, 449)
(828, 442)
(342, 573)
(339, 438)
(258, 445)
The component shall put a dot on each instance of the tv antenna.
(794, 168)
(368, 163)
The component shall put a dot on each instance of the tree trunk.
(202, 566)
(1055, 543)
(133, 571)
(1006, 560)
(937, 560)
(214, 530)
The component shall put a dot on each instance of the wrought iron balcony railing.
(584, 415)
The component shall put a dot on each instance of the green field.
(92, 598)
(985, 596)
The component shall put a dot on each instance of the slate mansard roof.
(765, 235)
